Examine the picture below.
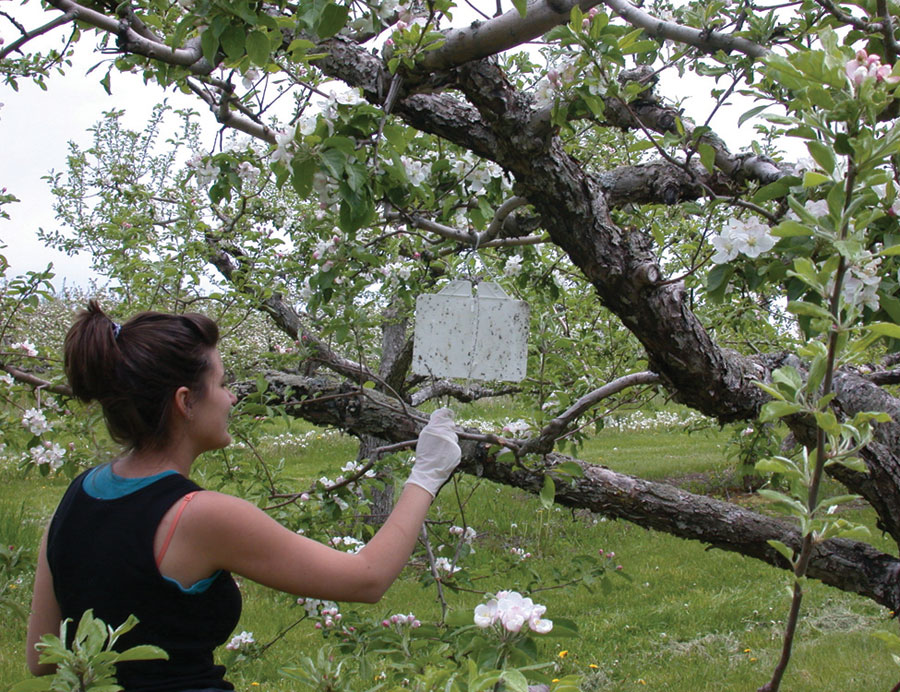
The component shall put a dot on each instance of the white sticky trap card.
(479, 336)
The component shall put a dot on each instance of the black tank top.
(101, 556)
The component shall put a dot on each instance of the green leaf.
(892, 250)
(773, 465)
(521, 6)
(258, 48)
(569, 468)
(303, 169)
(822, 155)
(773, 410)
(548, 492)
(333, 19)
(885, 329)
(812, 179)
(801, 307)
(209, 45)
(143, 652)
(751, 113)
(791, 229)
(786, 552)
(707, 156)
(232, 41)
(514, 681)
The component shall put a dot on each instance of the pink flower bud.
(385, 623)
(318, 625)
(619, 567)
(553, 77)
(861, 55)
(389, 43)
(873, 60)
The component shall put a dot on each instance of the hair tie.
(117, 329)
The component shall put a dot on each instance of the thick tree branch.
(709, 41)
(482, 39)
(462, 393)
(36, 382)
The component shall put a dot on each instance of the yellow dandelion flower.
(752, 658)
(746, 651)
(254, 684)
(641, 681)
(563, 653)
(555, 680)
(593, 665)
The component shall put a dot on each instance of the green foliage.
(89, 664)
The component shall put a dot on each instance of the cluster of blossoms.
(444, 564)
(48, 453)
(26, 347)
(36, 422)
(513, 266)
(399, 269)
(512, 611)
(865, 66)
(247, 172)
(205, 171)
(749, 237)
(468, 534)
(556, 81)
(520, 553)
(417, 172)
(661, 420)
(241, 642)
(327, 610)
(861, 284)
(324, 248)
(476, 175)
(401, 620)
(354, 545)
(516, 427)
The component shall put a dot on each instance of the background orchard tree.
(414, 148)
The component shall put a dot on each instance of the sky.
(36, 127)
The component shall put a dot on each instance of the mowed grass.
(687, 619)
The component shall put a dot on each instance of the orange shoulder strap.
(165, 546)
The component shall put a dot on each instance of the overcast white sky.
(36, 126)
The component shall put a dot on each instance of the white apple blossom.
(248, 172)
(48, 453)
(443, 564)
(754, 239)
(512, 611)
(353, 545)
(416, 171)
(240, 641)
(404, 272)
(861, 285)
(27, 347)
(35, 422)
(517, 427)
(513, 266)
(7, 379)
(249, 78)
(284, 146)
(750, 237)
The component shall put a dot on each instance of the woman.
(137, 536)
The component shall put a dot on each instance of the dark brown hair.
(134, 370)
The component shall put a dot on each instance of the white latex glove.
(437, 452)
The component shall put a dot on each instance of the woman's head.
(134, 370)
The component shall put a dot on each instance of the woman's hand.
(437, 452)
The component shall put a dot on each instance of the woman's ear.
(183, 402)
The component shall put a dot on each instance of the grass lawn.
(686, 619)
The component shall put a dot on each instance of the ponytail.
(133, 370)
